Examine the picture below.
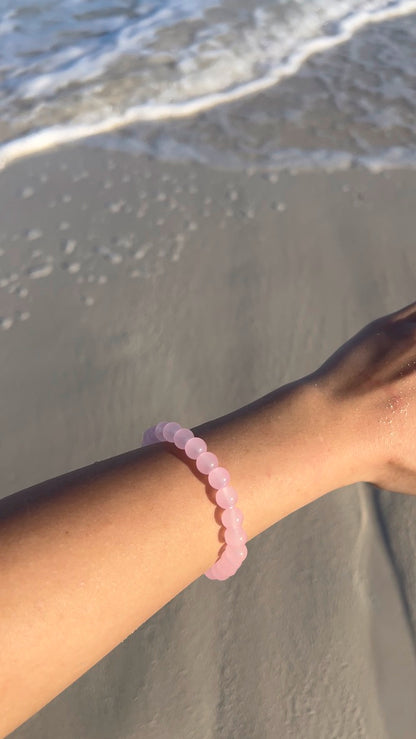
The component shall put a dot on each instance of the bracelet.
(235, 550)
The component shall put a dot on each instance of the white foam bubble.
(6, 323)
(27, 192)
(140, 253)
(69, 246)
(34, 234)
(73, 267)
(115, 258)
(116, 207)
(43, 270)
(125, 242)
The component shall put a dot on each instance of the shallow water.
(75, 70)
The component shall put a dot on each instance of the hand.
(370, 381)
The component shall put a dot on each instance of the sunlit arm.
(86, 558)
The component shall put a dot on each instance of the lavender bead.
(182, 436)
(206, 462)
(194, 447)
(159, 430)
(149, 436)
(170, 430)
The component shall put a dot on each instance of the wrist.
(283, 451)
(314, 434)
(339, 433)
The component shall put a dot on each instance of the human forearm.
(88, 559)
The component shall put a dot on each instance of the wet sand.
(133, 290)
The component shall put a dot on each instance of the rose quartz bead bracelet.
(195, 448)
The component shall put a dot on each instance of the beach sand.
(137, 290)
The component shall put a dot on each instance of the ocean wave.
(267, 48)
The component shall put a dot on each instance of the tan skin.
(86, 558)
(373, 377)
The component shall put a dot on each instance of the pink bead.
(206, 461)
(170, 430)
(226, 496)
(226, 566)
(222, 569)
(218, 575)
(182, 436)
(194, 447)
(235, 536)
(218, 477)
(209, 574)
(232, 517)
(236, 554)
(159, 430)
(234, 562)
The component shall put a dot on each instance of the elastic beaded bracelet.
(195, 448)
